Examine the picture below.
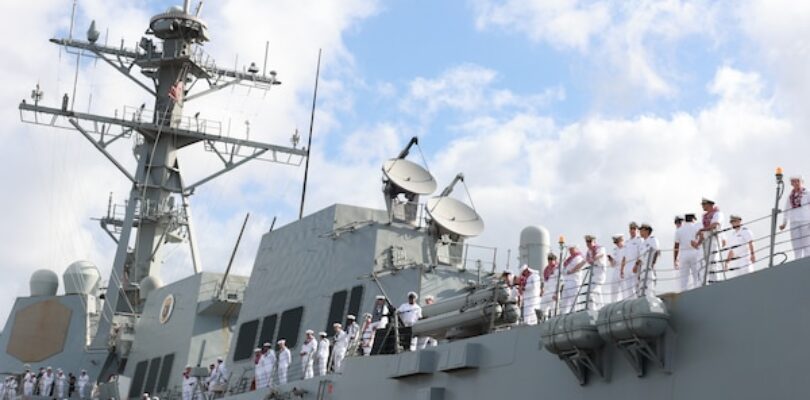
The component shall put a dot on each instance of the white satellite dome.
(149, 284)
(44, 282)
(81, 277)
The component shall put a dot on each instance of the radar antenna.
(451, 222)
(403, 182)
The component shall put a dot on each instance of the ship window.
(151, 376)
(336, 311)
(245, 340)
(290, 326)
(268, 329)
(354, 301)
(137, 380)
(165, 373)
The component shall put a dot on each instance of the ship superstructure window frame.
(138, 379)
(290, 326)
(355, 301)
(245, 340)
(152, 375)
(165, 373)
(268, 330)
(337, 310)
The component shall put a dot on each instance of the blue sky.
(576, 115)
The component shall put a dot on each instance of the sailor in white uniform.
(650, 252)
(267, 363)
(353, 331)
(572, 279)
(549, 285)
(686, 254)
(630, 266)
(367, 334)
(46, 383)
(740, 255)
(83, 385)
(531, 294)
(61, 385)
(341, 345)
(797, 216)
(712, 239)
(596, 258)
(613, 279)
(220, 379)
(28, 383)
(284, 360)
(410, 312)
(307, 354)
(11, 388)
(189, 384)
(323, 354)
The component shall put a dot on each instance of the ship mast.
(157, 211)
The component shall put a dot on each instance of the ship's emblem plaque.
(166, 308)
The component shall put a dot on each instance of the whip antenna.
(309, 140)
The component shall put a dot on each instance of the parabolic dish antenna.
(409, 176)
(455, 216)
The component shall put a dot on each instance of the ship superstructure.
(135, 334)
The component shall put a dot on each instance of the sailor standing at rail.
(797, 215)
(548, 288)
(61, 388)
(11, 388)
(353, 332)
(46, 383)
(649, 256)
(531, 294)
(307, 354)
(686, 254)
(28, 383)
(189, 384)
(572, 279)
(220, 381)
(341, 345)
(632, 255)
(366, 334)
(267, 362)
(379, 314)
(209, 381)
(741, 249)
(596, 257)
(284, 360)
(83, 384)
(613, 288)
(410, 312)
(323, 353)
(711, 238)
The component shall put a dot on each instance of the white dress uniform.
(613, 285)
(28, 385)
(571, 283)
(267, 363)
(83, 385)
(688, 256)
(797, 217)
(409, 314)
(323, 355)
(649, 248)
(632, 253)
(531, 297)
(307, 354)
(46, 384)
(189, 386)
(738, 245)
(549, 289)
(597, 258)
(341, 345)
(61, 390)
(220, 378)
(284, 360)
(712, 247)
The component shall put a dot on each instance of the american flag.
(176, 91)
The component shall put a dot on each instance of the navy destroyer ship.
(136, 336)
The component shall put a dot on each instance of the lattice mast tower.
(152, 216)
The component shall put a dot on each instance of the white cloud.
(627, 46)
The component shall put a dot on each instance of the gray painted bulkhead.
(730, 340)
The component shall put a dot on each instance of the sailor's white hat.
(590, 237)
(350, 316)
(281, 341)
(266, 344)
(413, 294)
(524, 267)
(337, 325)
(309, 332)
(796, 178)
(322, 334)
(257, 350)
(366, 315)
(617, 236)
(706, 200)
(379, 297)
(188, 366)
(219, 359)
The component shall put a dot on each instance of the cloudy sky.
(575, 115)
